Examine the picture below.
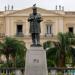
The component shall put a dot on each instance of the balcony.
(2, 35)
(19, 34)
(48, 35)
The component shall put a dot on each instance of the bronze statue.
(35, 30)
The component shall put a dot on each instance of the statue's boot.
(34, 42)
(38, 42)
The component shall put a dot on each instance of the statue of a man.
(35, 30)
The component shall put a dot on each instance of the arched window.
(19, 28)
(49, 27)
(71, 27)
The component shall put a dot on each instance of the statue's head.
(34, 9)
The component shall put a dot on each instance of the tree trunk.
(14, 59)
(0, 58)
(7, 57)
(62, 60)
(61, 63)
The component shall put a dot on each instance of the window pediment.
(49, 22)
(19, 22)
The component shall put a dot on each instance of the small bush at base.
(3, 74)
(12, 73)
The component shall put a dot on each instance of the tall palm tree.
(59, 51)
(13, 47)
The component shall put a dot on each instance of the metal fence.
(61, 71)
(51, 71)
(12, 71)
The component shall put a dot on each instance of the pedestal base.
(36, 62)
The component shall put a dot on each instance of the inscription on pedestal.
(36, 62)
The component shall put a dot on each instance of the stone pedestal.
(36, 61)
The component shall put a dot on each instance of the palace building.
(14, 23)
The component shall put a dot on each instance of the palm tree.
(59, 51)
(50, 53)
(73, 51)
(13, 47)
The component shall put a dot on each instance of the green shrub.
(7, 64)
(3, 74)
(12, 73)
(20, 62)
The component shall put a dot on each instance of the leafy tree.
(58, 51)
(11, 46)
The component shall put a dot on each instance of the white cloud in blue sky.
(47, 4)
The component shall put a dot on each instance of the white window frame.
(49, 29)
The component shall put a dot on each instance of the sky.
(69, 5)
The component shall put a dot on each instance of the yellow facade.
(54, 21)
